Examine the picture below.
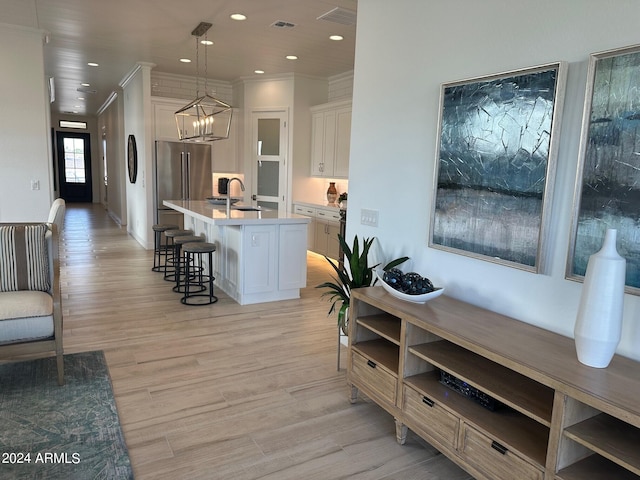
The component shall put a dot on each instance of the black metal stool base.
(169, 268)
(190, 300)
(160, 248)
(197, 281)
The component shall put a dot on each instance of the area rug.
(56, 432)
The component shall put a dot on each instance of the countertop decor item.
(421, 298)
(332, 193)
(599, 320)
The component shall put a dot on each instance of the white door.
(269, 153)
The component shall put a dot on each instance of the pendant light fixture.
(205, 119)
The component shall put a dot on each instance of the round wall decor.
(132, 158)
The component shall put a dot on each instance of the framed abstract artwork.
(607, 192)
(496, 157)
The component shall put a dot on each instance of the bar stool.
(198, 279)
(179, 262)
(169, 266)
(160, 246)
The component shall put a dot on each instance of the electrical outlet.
(369, 217)
(35, 184)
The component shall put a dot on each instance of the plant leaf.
(395, 263)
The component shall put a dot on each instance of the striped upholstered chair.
(30, 303)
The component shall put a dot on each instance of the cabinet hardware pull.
(371, 364)
(500, 448)
(428, 401)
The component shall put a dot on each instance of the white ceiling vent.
(282, 24)
(339, 15)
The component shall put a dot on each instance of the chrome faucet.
(229, 193)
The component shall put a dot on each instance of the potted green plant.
(355, 272)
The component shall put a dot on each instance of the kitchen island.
(261, 256)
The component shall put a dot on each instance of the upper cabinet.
(225, 152)
(164, 110)
(330, 139)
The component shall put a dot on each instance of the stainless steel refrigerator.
(182, 172)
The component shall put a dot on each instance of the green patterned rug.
(53, 432)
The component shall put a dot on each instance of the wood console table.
(557, 418)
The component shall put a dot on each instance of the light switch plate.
(369, 217)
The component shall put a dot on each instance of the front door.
(269, 154)
(74, 166)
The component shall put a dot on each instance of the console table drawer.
(374, 376)
(424, 411)
(494, 459)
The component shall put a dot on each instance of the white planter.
(599, 320)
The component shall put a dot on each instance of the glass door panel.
(269, 171)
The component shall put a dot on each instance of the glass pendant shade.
(205, 119)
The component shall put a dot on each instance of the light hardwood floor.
(223, 391)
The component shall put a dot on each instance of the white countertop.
(217, 214)
(326, 206)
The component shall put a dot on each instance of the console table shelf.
(611, 438)
(384, 325)
(380, 352)
(555, 419)
(517, 391)
(516, 431)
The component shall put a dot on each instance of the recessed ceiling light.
(80, 98)
(259, 72)
(291, 57)
(206, 42)
(185, 60)
(85, 84)
(238, 16)
(336, 37)
(93, 64)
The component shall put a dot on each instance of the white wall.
(111, 125)
(25, 139)
(405, 49)
(138, 122)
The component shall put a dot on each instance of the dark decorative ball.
(415, 284)
(393, 277)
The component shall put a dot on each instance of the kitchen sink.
(246, 208)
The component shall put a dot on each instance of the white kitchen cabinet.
(291, 244)
(226, 152)
(330, 139)
(258, 244)
(327, 227)
(165, 127)
(311, 230)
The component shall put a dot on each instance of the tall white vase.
(599, 319)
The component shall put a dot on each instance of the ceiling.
(117, 34)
